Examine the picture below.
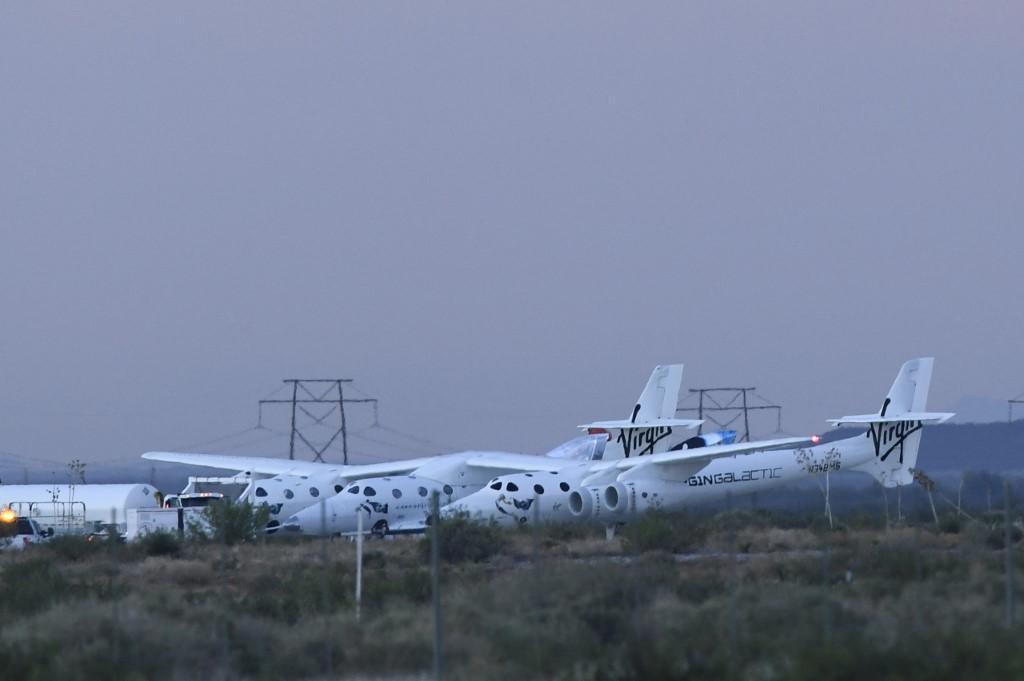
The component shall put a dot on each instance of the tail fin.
(649, 425)
(895, 431)
(660, 396)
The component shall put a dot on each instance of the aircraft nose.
(307, 521)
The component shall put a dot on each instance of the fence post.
(359, 565)
(435, 578)
(112, 540)
(826, 605)
(1007, 521)
(325, 587)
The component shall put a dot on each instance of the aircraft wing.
(257, 465)
(626, 424)
(518, 463)
(867, 419)
(708, 453)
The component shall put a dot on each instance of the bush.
(28, 586)
(75, 547)
(660, 531)
(465, 540)
(160, 543)
(231, 523)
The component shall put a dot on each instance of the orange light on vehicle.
(8, 515)
(815, 439)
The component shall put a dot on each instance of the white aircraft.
(534, 497)
(402, 504)
(399, 490)
(613, 492)
(887, 451)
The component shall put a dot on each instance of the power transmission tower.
(1009, 405)
(318, 391)
(725, 406)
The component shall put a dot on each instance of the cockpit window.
(314, 492)
(338, 488)
(538, 489)
(564, 486)
(396, 493)
(496, 485)
(288, 494)
(260, 492)
(512, 487)
(422, 491)
(369, 491)
(354, 489)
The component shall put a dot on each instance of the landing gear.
(379, 529)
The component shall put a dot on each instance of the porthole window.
(288, 494)
(396, 493)
(564, 486)
(369, 491)
(496, 485)
(422, 491)
(260, 492)
(338, 488)
(314, 492)
(448, 490)
(512, 487)
(353, 490)
(538, 489)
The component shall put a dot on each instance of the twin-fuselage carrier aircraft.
(398, 492)
(618, 470)
(613, 492)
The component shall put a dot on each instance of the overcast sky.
(497, 217)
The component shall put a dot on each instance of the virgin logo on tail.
(643, 439)
(891, 436)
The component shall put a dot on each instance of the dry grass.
(563, 604)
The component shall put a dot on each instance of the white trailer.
(143, 521)
(180, 511)
(78, 508)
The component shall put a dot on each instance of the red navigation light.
(599, 431)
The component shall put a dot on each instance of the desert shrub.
(160, 543)
(659, 531)
(743, 518)
(230, 523)
(567, 531)
(28, 586)
(464, 540)
(74, 547)
(950, 523)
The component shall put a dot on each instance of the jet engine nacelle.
(617, 499)
(590, 503)
(582, 502)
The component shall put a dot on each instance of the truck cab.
(192, 499)
(17, 532)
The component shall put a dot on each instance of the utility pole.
(725, 406)
(308, 396)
